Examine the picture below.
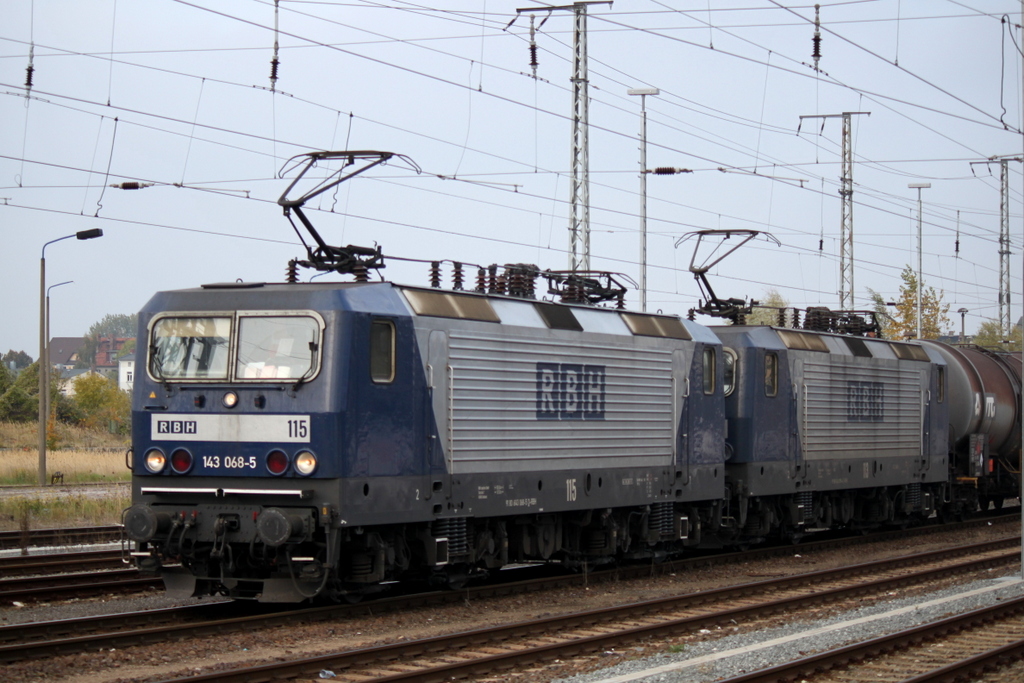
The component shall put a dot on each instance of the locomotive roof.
(380, 297)
(767, 336)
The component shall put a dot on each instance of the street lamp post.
(59, 284)
(44, 361)
(920, 284)
(643, 93)
(962, 312)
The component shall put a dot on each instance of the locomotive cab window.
(729, 368)
(771, 374)
(277, 347)
(709, 370)
(190, 348)
(382, 351)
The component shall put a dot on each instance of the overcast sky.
(178, 94)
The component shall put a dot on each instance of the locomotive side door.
(681, 369)
(926, 414)
(794, 451)
(439, 377)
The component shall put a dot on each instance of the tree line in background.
(96, 402)
(116, 325)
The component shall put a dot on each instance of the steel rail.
(28, 565)
(73, 585)
(971, 667)
(73, 536)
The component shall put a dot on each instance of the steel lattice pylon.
(579, 204)
(846, 288)
(1005, 323)
(579, 190)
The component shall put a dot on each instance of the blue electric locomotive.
(295, 440)
(830, 430)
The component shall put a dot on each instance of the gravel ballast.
(732, 655)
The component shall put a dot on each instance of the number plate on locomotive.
(232, 428)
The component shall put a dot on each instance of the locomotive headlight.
(230, 399)
(305, 462)
(156, 461)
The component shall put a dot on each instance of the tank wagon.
(984, 433)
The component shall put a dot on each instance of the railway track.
(959, 648)
(86, 560)
(517, 643)
(74, 585)
(491, 651)
(10, 540)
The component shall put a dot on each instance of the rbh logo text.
(570, 391)
(176, 426)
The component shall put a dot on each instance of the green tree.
(128, 348)
(767, 312)
(112, 325)
(17, 405)
(20, 359)
(28, 379)
(6, 379)
(990, 335)
(102, 404)
(65, 409)
(882, 314)
(934, 318)
(20, 401)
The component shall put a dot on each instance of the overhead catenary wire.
(555, 170)
(505, 241)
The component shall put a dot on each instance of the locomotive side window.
(942, 384)
(190, 348)
(709, 370)
(771, 374)
(729, 366)
(277, 347)
(382, 351)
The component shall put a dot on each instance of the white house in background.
(126, 372)
(68, 378)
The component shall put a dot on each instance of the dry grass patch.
(60, 436)
(71, 510)
(77, 466)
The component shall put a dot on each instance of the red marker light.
(277, 462)
(181, 461)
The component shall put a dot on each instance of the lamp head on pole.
(643, 91)
(89, 234)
